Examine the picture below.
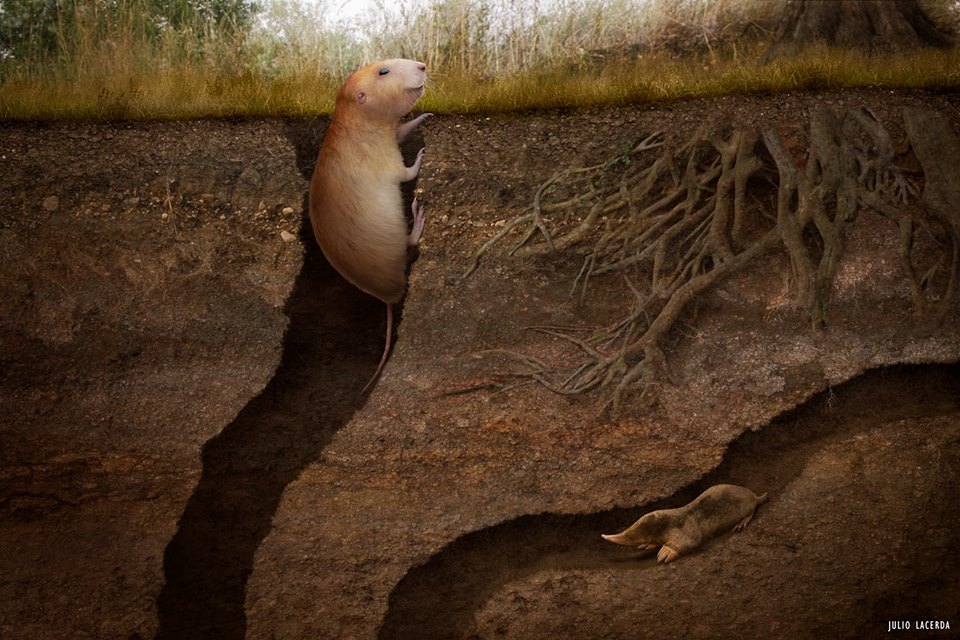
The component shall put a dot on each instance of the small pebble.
(287, 236)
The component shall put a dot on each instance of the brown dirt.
(184, 453)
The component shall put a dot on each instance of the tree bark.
(868, 25)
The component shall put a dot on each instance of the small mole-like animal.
(356, 207)
(719, 509)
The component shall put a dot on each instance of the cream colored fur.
(356, 208)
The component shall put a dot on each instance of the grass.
(661, 78)
(484, 56)
(170, 94)
(192, 92)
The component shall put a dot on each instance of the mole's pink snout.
(616, 538)
(421, 66)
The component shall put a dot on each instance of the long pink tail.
(386, 348)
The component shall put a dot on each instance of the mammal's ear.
(361, 97)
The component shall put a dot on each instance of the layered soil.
(186, 451)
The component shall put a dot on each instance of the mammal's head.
(647, 532)
(385, 90)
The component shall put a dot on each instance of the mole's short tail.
(386, 348)
(762, 499)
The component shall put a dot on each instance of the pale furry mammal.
(719, 509)
(356, 207)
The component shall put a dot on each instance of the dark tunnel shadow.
(330, 349)
(438, 599)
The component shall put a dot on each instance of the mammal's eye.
(384, 71)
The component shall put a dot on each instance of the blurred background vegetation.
(191, 58)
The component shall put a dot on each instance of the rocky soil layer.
(185, 451)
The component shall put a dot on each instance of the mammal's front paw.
(667, 555)
(418, 161)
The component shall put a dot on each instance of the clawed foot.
(414, 171)
(418, 218)
(667, 555)
(404, 129)
(416, 122)
(743, 523)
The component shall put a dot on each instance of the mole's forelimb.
(356, 204)
(403, 130)
(719, 509)
(406, 128)
(411, 172)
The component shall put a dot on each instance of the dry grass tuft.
(484, 55)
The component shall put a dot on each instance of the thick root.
(682, 217)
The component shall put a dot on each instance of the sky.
(351, 8)
(348, 9)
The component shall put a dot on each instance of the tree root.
(682, 217)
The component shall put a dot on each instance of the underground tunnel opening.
(439, 598)
(330, 348)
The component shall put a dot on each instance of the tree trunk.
(869, 25)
